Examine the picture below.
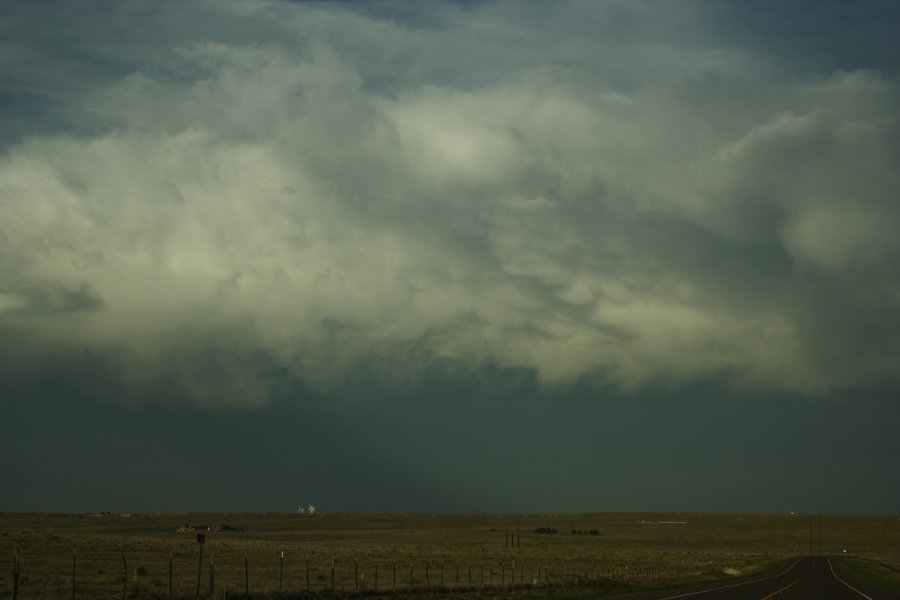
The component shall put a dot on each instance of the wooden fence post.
(307, 572)
(212, 573)
(74, 564)
(125, 578)
(199, 569)
(332, 572)
(376, 576)
(16, 576)
(246, 575)
(170, 574)
(280, 570)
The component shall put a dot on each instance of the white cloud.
(247, 213)
(11, 301)
(843, 237)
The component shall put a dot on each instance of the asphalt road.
(809, 578)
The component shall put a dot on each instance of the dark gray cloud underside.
(313, 210)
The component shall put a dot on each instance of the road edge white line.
(844, 582)
(733, 585)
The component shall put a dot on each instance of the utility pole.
(820, 535)
(810, 535)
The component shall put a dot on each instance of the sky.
(471, 256)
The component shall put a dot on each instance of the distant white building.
(300, 510)
(311, 510)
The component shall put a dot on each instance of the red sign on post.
(201, 538)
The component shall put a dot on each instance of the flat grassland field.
(112, 554)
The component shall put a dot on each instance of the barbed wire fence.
(217, 573)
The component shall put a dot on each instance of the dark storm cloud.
(216, 199)
(814, 36)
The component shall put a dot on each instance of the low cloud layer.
(307, 193)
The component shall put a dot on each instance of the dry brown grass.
(630, 545)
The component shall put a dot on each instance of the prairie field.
(135, 555)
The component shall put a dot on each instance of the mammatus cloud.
(243, 213)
